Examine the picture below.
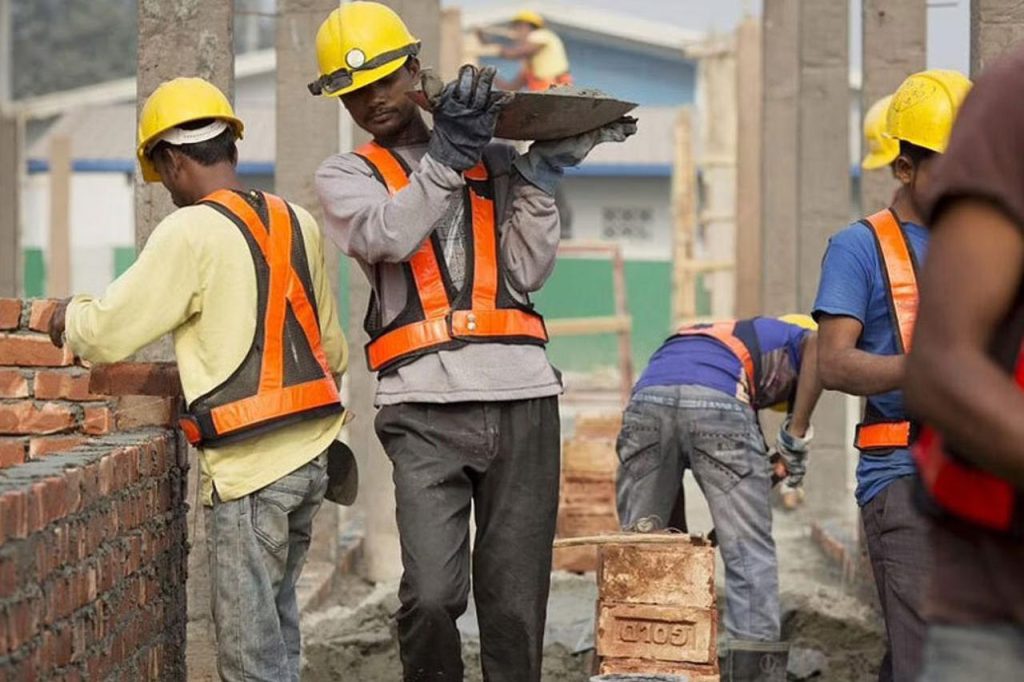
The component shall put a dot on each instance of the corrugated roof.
(107, 133)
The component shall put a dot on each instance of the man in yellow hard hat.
(238, 277)
(541, 51)
(866, 306)
(696, 407)
(453, 233)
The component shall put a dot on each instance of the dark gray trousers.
(503, 458)
(897, 538)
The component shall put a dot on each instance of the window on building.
(627, 223)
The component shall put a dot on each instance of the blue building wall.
(638, 76)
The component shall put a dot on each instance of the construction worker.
(865, 305)
(696, 407)
(882, 149)
(238, 277)
(965, 379)
(541, 51)
(453, 233)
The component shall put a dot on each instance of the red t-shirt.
(978, 575)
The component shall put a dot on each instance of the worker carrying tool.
(453, 233)
(866, 306)
(696, 407)
(965, 380)
(542, 53)
(238, 277)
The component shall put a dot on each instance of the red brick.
(12, 451)
(40, 314)
(136, 378)
(13, 384)
(41, 447)
(32, 351)
(10, 313)
(663, 633)
(97, 421)
(63, 385)
(134, 411)
(13, 515)
(24, 418)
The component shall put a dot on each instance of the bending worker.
(866, 306)
(695, 407)
(541, 51)
(238, 277)
(453, 233)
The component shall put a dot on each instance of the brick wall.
(93, 531)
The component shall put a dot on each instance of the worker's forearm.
(530, 236)
(808, 389)
(857, 372)
(973, 403)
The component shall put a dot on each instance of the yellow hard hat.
(529, 17)
(800, 320)
(176, 102)
(360, 43)
(882, 150)
(925, 106)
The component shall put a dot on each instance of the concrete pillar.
(382, 559)
(58, 261)
(781, 69)
(10, 216)
(183, 38)
(179, 38)
(895, 38)
(996, 26)
(750, 92)
(306, 134)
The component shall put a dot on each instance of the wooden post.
(684, 218)
(58, 266)
(625, 335)
(10, 216)
(749, 92)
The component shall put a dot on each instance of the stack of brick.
(93, 531)
(656, 610)
(46, 401)
(587, 496)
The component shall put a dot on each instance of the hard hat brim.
(876, 160)
(149, 171)
(360, 79)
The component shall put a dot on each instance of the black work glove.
(464, 118)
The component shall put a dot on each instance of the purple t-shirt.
(707, 362)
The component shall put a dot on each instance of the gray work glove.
(793, 452)
(464, 117)
(544, 164)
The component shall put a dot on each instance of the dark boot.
(747, 661)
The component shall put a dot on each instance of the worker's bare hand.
(57, 323)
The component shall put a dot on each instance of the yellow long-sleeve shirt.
(196, 279)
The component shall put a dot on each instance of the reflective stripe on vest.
(964, 491)
(724, 332)
(441, 325)
(275, 399)
(883, 436)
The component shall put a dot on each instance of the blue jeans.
(668, 429)
(257, 546)
(989, 652)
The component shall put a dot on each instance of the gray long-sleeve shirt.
(381, 231)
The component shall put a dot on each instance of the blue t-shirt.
(704, 361)
(852, 285)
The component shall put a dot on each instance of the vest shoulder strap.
(386, 164)
(899, 272)
(725, 333)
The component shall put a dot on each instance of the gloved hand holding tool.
(545, 162)
(793, 451)
(465, 113)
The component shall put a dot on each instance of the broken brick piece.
(136, 378)
(40, 314)
(97, 421)
(10, 313)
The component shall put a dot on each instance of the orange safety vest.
(739, 337)
(284, 378)
(876, 434)
(437, 317)
(962, 490)
(536, 84)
